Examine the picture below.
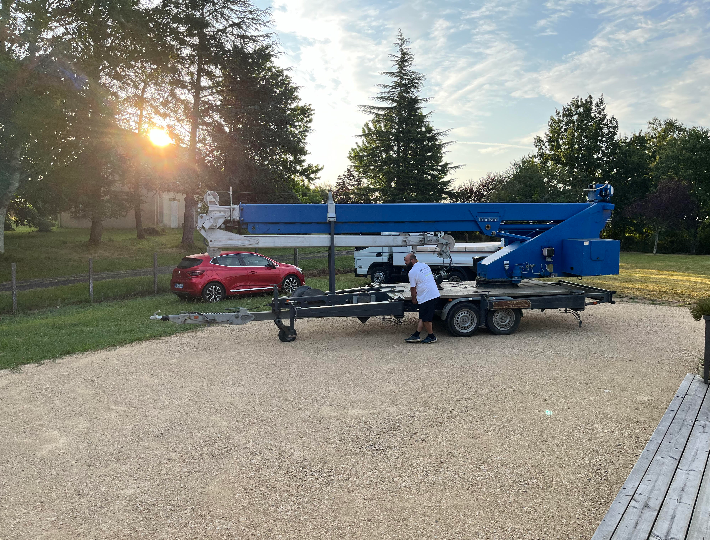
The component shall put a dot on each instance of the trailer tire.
(287, 337)
(380, 274)
(462, 320)
(503, 322)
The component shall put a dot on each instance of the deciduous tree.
(581, 140)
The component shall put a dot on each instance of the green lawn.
(51, 333)
(673, 279)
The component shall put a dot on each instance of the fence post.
(91, 280)
(13, 271)
(155, 272)
(295, 256)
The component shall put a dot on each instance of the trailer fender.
(449, 306)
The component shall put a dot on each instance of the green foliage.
(264, 148)
(700, 308)
(400, 154)
(351, 188)
(580, 141)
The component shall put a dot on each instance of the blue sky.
(495, 70)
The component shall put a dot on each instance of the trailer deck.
(464, 306)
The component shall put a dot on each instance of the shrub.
(700, 308)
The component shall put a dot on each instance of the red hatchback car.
(231, 273)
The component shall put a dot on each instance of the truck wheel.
(456, 275)
(503, 321)
(462, 320)
(380, 274)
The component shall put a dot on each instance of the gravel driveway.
(346, 433)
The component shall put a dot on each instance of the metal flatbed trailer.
(463, 306)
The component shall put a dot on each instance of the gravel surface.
(346, 433)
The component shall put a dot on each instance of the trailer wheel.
(287, 337)
(462, 320)
(380, 274)
(503, 321)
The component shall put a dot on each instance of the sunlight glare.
(159, 137)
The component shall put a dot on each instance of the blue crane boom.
(540, 239)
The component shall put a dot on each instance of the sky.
(496, 70)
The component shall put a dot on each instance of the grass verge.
(68, 329)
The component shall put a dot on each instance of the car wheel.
(213, 292)
(290, 284)
(503, 321)
(462, 320)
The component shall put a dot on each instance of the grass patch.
(68, 329)
(673, 279)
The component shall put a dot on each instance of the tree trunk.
(188, 226)
(655, 242)
(140, 233)
(97, 229)
(190, 203)
(8, 191)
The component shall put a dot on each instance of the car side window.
(226, 260)
(252, 259)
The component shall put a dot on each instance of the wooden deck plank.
(638, 520)
(674, 517)
(700, 524)
(611, 520)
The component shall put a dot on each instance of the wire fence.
(14, 286)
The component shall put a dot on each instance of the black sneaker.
(414, 338)
(431, 338)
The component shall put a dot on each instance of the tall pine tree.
(400, 154)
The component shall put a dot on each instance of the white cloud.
(484, 61)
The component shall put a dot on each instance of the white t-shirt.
(420, 276)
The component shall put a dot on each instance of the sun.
(159, 137)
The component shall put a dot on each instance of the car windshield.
(189, 262)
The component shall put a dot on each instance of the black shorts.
(426, 310)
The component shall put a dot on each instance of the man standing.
(424, 292)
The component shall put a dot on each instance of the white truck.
(386, 264)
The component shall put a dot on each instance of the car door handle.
(252, 271)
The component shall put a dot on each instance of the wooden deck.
(667, 494)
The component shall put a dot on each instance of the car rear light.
(195, 273)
